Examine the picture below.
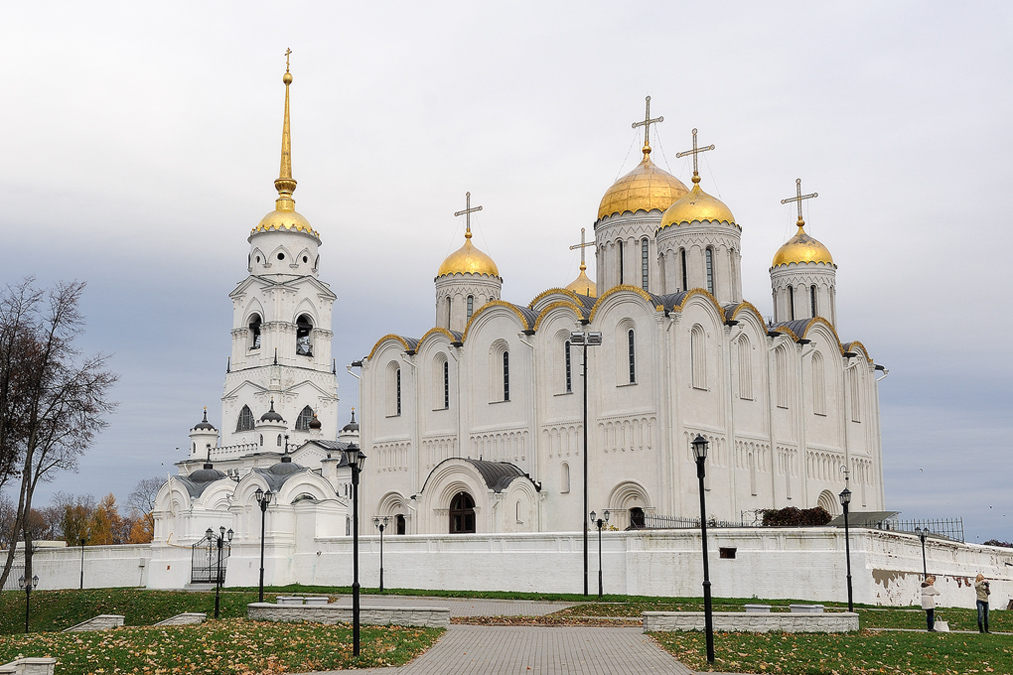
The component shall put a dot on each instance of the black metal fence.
(656, 522)
(947, 528)
(204, 562)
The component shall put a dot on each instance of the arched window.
(620, 250)
(471, 306)
(262, 439)
(812, 299)
(682, 265)
(709, 255)
(698, 357)
(506, 376)
(400, 526)
(564, 477)
(637, 518)
(631, 344)
(819, 385)
(745, 369)
(245, 422)
(446, 385)
(393, 392)
(569, 371)
(643, 263)
(781, 375)
(450, 303)
(791, 303)
(279, 441)
(303, 343)
(302, 423)
(462, 514)
(856, 403)
(255, 332)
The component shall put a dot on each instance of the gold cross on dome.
(468, 210)
(646, 124)
(798, 198)
(695, 151)
(582, 245)
(287, 52)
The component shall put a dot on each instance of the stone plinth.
(184, 619)
(100, 622)
(29, 666)
(430, 617)
(742, 622)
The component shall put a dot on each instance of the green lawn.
(225, 646)
(845, 654)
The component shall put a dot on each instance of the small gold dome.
(468, 260)
(583, 286)
(281, 219)
(697, 206)
(802, 249)
(645, 188)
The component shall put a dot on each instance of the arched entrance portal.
(462, 514)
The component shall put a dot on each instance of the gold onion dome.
(284, 216)
(645, 188)
(802, 249)
(468, 260)
(699, 206)
(582, 285)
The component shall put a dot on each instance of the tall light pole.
(585, 340)
(82, 563)
(922, 534)
(600, 523)
(28, 585)
(219, 541)
(356, 459)
(700, 453)
(264, 499)
(381, 525)
(845, 500)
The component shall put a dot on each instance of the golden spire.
(798, 198)
(285, 183)
(695, 151)
(646, 124)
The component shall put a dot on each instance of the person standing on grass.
(982, 592)
(929, 593)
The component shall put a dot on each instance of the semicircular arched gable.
(627, 495)
(492, 309)
(620, 294)
(390, 337)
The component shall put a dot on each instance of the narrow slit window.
(643, 263)
(621, 270)
(685, 274)
(397, 378)
(812, 299)
(791, 303)
(446, 385)
(506, 376)
(471, 306)
(710, 270)
(631, 341)
(569, 371)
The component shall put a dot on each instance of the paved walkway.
(535, 650)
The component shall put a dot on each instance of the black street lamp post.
(28, 585)
(700, 452)
(264, 499)
(922, 534)
(82, 563)
(356, 459)
(845, 500)
(219, 541)
(381, 524)
(600, 523)
(585, 340)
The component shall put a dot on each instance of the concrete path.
(536, 650)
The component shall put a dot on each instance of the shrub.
(996, 542)
(795, 517)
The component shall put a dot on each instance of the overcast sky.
(139, 144)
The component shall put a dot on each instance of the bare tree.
(142, 507)
(56, 401)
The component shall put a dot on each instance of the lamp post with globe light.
(600, 523)
(356, 460)
(845, 500)
(381, 524)
(264, 499)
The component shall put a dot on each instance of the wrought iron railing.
(205, 565)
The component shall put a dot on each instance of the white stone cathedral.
(477, 426)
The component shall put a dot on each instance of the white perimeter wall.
(792, 563)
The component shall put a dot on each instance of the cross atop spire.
(468, 210)
(582, 245)
(646, 124)
(798, 198)
(695, 151)
(285, 183)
